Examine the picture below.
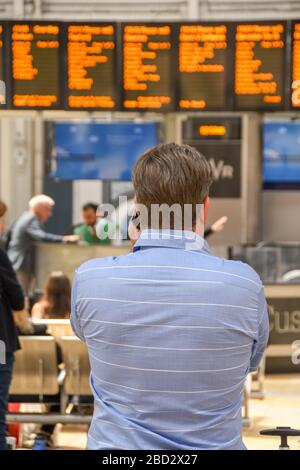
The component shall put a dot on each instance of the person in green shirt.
(87, 230)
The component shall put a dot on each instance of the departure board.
(35, 65)
(295, 95)
(2, 87)
(202, 61)
(147, 66)
(259, 65)
(147, 78)
(91, 66)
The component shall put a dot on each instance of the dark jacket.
(25, 231)
(11, 298)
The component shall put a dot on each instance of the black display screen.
(147, 79)
(91, 50)
(155, 66)
(259, 67)
(35, 59)
(202, 67)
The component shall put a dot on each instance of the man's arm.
(35, 232)
(217, 226)
(263, 332)
(75, 320)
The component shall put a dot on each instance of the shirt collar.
(180, 239)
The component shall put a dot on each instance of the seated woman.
(55, 303)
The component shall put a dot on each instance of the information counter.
(283, 353)
(278, 266)
(67, 258)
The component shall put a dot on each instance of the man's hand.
(218, 225)
(71, 239)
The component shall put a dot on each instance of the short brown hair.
(3, 208)
(172, 174)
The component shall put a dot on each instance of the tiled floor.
(281, 407)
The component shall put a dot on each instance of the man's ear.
(206, 204)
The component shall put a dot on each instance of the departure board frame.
(228, 69)
(291, 64)
(172, 95)
(119, 94)
(5, 59)
(59, 104)
(263, 107)
(117, 70)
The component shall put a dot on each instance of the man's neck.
(36, 215)
(197, 230)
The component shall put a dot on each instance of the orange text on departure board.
(91, 101)
(89, 46)
(22, 39)
(210, 130)
(143, 45)
(296, 66)
(197, 48)
(249, 79)
(24, 36)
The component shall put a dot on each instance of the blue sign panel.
(99, 150)
(281, 153)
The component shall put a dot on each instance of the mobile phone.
(136, 221)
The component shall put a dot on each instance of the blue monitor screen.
(100, 150)
(281, 154)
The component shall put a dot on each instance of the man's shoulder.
(78, 229)
(25, 218)
(240, 271)
(102, 264)
(77, 226)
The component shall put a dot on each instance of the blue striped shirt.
(172, 332)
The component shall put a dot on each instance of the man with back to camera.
(27, 230)
(172, 331)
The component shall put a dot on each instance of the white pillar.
(193, 10)
(16, 164)
(19, 8)
(38, 152)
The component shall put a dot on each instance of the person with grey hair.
(27, 230)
